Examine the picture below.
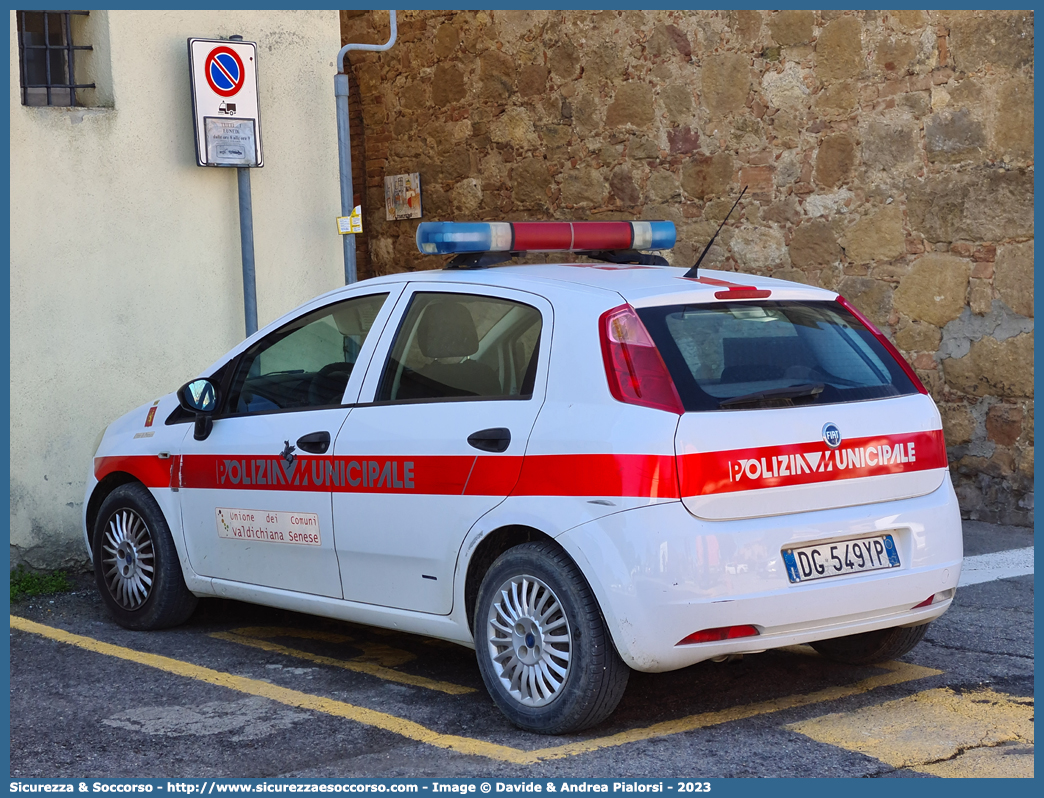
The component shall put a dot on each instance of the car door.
(256, 492)
(455, 390)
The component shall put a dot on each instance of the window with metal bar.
(47, 57)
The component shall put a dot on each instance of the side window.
(463, 346)
(307, 363)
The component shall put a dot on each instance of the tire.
(555, 670)
(136, 566)
(870, 648)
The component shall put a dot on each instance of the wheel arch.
(148, 590)
(495, 543)
(101, 491)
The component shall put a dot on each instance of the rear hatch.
(792, 406)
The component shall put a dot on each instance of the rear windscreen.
(736, 356)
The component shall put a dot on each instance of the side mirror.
(199, 397)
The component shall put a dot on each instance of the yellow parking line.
(378, 653)
(293, 698)
(896, 673)
(976, 734)
(382, 668)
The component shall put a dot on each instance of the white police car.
(578, 469)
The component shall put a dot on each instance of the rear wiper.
(775, 394)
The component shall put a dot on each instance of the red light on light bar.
(549, 236)
(721, 633)
(544, 236)
(880, 336)
(743, 293)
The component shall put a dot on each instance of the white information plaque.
(230, 143)
(268, 526)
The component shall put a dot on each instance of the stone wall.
(889, 156)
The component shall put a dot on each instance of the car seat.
(448, 336)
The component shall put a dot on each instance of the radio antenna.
(694, 271)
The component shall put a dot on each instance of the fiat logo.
(832, 435)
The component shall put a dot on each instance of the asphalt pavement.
(246, 691)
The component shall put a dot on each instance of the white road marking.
(999, 565)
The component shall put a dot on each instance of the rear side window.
(463, 346)
(735, 356)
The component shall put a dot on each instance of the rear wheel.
(543, 650)
(869, 648)
(136, 565)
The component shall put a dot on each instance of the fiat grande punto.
(577, 469)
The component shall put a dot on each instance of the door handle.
(314, 442)
(496, 439)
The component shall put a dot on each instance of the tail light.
(721, 633)
(634, 368)
(880, 336)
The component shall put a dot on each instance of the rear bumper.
(659, 575)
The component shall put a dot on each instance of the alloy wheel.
(128, 559)
(529, 641)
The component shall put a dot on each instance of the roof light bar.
(450, 238)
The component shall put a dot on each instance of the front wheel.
(544, 652)
(869, 648)
(136, 565)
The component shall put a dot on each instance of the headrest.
(355, 318)
(447, 330)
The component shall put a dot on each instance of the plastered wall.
(126, 277)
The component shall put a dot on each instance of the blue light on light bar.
(445, 238)
(654, 235)
(663, 235)
(448, 238)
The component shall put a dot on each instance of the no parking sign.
(225, 71)
(225, 108)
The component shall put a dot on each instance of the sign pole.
(246, 241)
(246, 245)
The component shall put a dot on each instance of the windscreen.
(745, 355)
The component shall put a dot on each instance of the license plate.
(836, 559)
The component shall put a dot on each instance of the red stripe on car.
(648, 476)
(808, 463)
(643, 475)
(149, 469)
(633, 475)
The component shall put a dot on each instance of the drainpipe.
(344, 142)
